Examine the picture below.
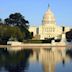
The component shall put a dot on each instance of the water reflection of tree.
(15, 62)
(69, 53)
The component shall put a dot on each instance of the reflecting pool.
(36, 60)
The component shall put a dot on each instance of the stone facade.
(49, 28)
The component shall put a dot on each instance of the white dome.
(49, 17)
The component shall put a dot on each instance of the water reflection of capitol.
(48, 58)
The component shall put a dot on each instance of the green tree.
(7, 32)
(17, 19)
(69, 35)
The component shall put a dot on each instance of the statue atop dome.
(48, 5)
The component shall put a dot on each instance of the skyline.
(34, 10)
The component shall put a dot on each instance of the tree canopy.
(69, 35)
(17, 19)
(15, 26)
(7, 32)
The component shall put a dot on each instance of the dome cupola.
(48, 17)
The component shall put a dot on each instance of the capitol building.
(48, 28)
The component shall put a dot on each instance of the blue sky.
(33, 10)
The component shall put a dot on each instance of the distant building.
(48, 29)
